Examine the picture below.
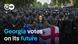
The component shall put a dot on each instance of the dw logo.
(9, 6)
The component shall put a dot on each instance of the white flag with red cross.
(50, 35)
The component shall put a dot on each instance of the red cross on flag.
(50, 35)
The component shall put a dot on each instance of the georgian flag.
(50, 35)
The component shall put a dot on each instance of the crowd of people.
(40, 18)
(40, 15)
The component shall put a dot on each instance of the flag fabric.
(50, 35)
